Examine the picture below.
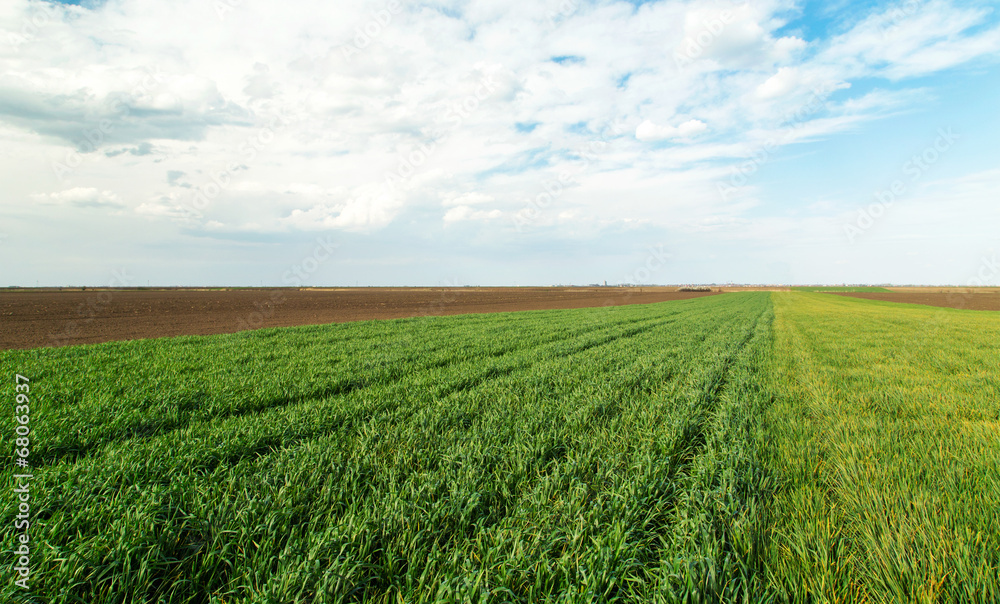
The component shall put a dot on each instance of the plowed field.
(32, 318)
(979, 300)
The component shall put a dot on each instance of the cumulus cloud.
(174, 176)
(167, 206)
(786, 80)
(463, 213)
(82, 197)
(736, 36)
(371, 208)
(144, 148)
(649, 131)
(469, 199)
(292, 119)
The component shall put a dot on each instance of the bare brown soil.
(971, 300)
(945, 290)
(35, 318)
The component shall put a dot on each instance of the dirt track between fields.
(979, 300)
(31, 319)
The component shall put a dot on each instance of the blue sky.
(460, 143)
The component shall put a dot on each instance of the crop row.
(754, 447)
(550, 456)
(884, 439)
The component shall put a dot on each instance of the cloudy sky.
(448, 142)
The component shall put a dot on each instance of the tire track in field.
(691, 442)
(74, 452)
(139, 484)
(144, 426)
(120, 481)
(506, 503)
(661, 492)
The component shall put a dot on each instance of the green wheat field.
(746, 447)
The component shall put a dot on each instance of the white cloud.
(371, 208)
(786, 80)
(736, 36)
(473, 107)
(166, 207)
(469, 199)
(463, 213)
(649, 131)
(82, 197)
(898, 43)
